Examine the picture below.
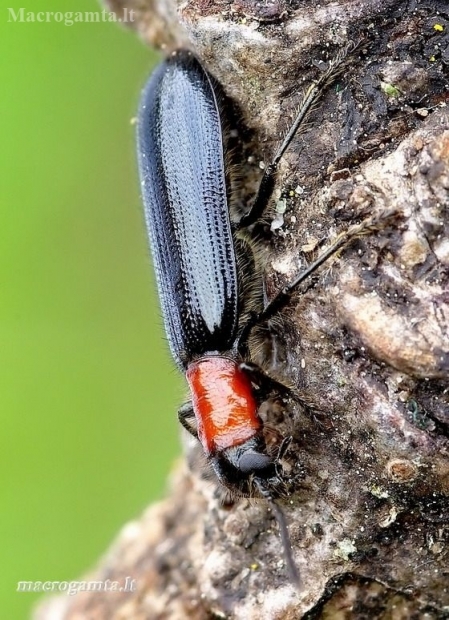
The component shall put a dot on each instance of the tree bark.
(367, 346)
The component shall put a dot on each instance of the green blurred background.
(88, 390)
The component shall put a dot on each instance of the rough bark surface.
(367, 345)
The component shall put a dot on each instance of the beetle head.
(240, 466)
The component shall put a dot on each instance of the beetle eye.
(253, 461)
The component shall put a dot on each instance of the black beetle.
(209, 305)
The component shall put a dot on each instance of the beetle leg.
(186, 416)
(283, 297)
(266, 383)
(268, 181)
(285, 444)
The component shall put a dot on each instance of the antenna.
(283, 530)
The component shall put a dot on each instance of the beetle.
(208, 280)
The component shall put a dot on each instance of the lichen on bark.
(367, 346)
